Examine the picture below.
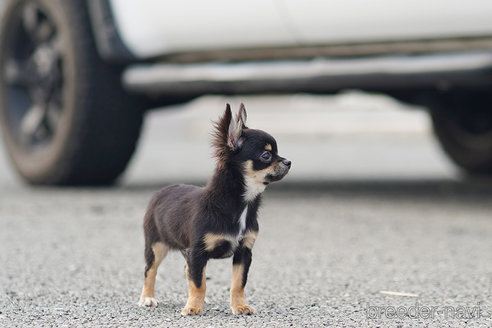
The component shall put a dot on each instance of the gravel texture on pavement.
(73, 257)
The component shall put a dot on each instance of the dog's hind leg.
(154, 254)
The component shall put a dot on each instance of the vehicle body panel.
(151, 28)
(360, 21)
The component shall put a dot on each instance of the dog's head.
(254, 151)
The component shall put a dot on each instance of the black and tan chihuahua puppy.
(217, 221)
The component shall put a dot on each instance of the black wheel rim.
(477, 121)
(33, 76)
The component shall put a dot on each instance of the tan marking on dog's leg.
(196, 295)
(249, 238)
(147, 298)
(212, 239)
(238, 302)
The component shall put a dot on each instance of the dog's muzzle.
(281, 169)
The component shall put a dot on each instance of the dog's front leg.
(195, 274)
(240, 267)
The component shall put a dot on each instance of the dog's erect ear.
(242, 115)
(221, 134)
(227, 134)
(236, 128)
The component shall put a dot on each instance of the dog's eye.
(266, 156)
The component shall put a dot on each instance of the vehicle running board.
(318, 75)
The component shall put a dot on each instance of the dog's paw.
(147, 301)
(242, 309)
(192, 309)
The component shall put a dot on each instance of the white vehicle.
(76, 76)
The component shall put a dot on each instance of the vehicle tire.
(65, 117)
(463, 125)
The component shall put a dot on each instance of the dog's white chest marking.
(242, 222)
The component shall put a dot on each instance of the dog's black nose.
(286, 162)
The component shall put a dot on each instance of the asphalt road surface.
(373, 227)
